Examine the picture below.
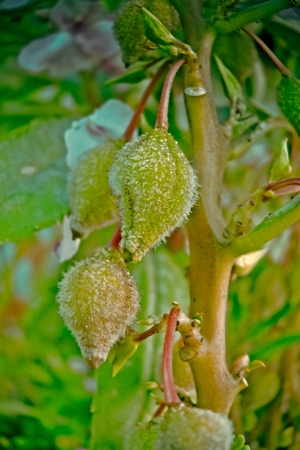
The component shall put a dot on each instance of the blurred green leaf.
(33, 186)
(134, 74)
(288, 97)
(280, 343)
(261, 391)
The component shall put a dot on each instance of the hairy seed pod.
(98, 300)
(156, 188)
(129, 29)
(288, 96)
(92, 203)
(184, 428)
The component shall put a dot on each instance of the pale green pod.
(129, 29)
(156, 188)
(98, 300)
(186, 428)
(92, 204)
(288, 97)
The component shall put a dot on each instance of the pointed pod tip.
(94, 362)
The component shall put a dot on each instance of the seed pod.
(156, 187)
(184, 428)
(129, 29)
(288, 97)
(98, 300)
(92, 203)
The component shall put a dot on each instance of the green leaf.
(33, 187)
(256, 364)
(122, 352)
(143, 437)
(262, 390)
(238, 443)
(288, 97)
(134, 74)
(234, 90)
(281, 166)
(155, 30)
(237, 52)
(281, 343)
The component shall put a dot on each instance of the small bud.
(288, 97)
(92, 203)
(281, 166)
(186, 428)
(98, 300)
(155, 30)
(245, 263)
(129, 29)
(233, 87)
(156, 187)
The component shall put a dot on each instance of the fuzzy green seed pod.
(156, 188)
(288, 97)
(184, 428)
(98, 300)
(92, 203)
(129, 29)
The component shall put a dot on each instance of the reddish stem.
(281, 67)
(139, 111)
(162, 114)
(157, 328)
(159, 410)
(287, 186)
(171, 396)
(115, 240)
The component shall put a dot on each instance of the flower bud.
(281, 166)
(92, 203)
(129, 29)
(156, 188)
(184, 428)
(98, 300)
(288, 96)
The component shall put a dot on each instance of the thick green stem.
(210, 263)
(249, 15)
(210, 146)
(210, 268)
(269, 228)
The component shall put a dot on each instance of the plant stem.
(210, 268)
(115, 240)
(210, 145)
(140, 109)
(257, 12)
(210, 261)
(162, 114)
(268, 229)
(280, 66)
(171, 396)
(242, 145)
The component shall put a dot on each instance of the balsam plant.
(154, 183)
